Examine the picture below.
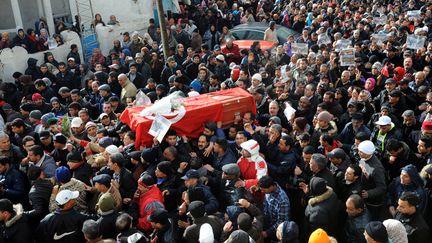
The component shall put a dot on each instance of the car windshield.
(285, 32)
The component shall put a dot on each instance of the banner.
(324, 39)
(52, 43)
(413, 14)
(300, 48)
(289, 111)
(415, 42)
(347, 57)
(380, 37)
(380, 20)
(159, 127)
(342, 44)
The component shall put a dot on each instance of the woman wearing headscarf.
(97, 57)
(370, 86)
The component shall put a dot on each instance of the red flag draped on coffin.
(215, 106)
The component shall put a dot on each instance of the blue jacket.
(396, 188)
(227, 158)
(347, 135)
(14, 185)
(48, 166)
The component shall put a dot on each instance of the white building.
(133, 15)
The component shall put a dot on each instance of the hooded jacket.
(32, 70)
(16, 229)
(39, 197)
(321, 212)
(396, 188)
(148, 202)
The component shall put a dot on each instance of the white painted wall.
(15, 59)
(126, 11)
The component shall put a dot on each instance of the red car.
(246, 44)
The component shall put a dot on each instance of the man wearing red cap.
(426, 129)
(39, 103)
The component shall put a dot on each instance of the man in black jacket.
(123, 178)
(39, 195)
(14, 183)
(415, 225)
(163, 227)
(372, 180)
(63, 225)
(136, 77)
(14, 226)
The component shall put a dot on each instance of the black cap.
(191, 174)
(26, 107)
(395, 93)
(377, 231)
(60, 138)
(136, 155)
(404, 81)
(337, 153)
(74, 156)
(103, 179)
(260, 91)
(146, 180)
(197, 209)
(44, 135)
(160, 216)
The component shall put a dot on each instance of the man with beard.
(304, 109)
(333, 106)
(136, 77)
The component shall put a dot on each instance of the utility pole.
(162, 22)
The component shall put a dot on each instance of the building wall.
(29, 13)
(126, 11)
(7, 19)
(15, 60)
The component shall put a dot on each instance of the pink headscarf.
(373, 84)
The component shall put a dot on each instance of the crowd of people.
(332, 154)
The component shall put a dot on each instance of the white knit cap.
(112, 149)
(257, 76)
(366, 147)
(206, 234)
(251, 146)
(396, 231)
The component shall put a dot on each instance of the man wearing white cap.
(373, 179)
(78, 128)
(384, 131)
(252, 165)
(63, 224)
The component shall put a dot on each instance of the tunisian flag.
(215, 106)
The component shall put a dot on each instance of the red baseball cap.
(36, 97)
(427, 125)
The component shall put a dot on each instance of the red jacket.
(252, 171)
(148, 202)
(235, 51)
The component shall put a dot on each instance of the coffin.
(215, 106)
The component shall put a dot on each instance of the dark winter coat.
(321, 212)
